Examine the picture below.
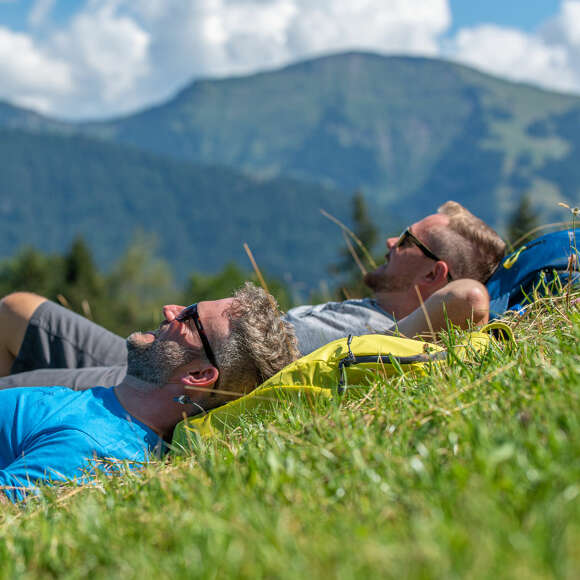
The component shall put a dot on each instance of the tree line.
(130, 294)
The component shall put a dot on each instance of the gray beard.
(155, 362)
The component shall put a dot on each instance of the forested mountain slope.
(412, 132)
(54, 187)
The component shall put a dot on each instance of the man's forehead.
(215, 307)
(214, 315)
(428, 223)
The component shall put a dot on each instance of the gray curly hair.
(259, 345)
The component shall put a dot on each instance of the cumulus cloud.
(108, 51)
(372, 24)
(123, 54)
(32, 76)
(514, 54)
(114, 56)
(550, 57)
(564, 30)
(223, 37)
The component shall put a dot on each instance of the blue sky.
(526, 15)
(101, 58)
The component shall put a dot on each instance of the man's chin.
(141, 338)
(153, 361)
(379, 281)
(376, 280)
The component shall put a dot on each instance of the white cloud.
(220, 37)
(114, 56)
(395, 26)
(566, 24)
(29, 74)
(550, 57)
(109, 53)
(516, 55)
(38, 103)
(123, 54)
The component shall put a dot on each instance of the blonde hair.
(470, 247)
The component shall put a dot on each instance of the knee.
(19, 306)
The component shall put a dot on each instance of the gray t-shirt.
(318, 325)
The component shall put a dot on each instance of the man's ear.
(438, 273)
(200, 378)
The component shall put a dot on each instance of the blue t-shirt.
(50, 434)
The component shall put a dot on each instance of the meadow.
(469, 471)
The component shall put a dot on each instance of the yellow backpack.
(330, 370)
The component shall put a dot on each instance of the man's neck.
(397, 304)
(156, 408)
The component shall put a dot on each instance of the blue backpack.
(533, 268)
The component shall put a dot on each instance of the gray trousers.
(63, 348)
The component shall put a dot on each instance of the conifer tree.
(83, 285)
(80, 271)
(523, 221)
(348, 268)
(33, 271)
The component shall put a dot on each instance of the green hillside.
(54, 187)
(412, 132)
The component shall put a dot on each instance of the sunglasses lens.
(403, 239)
(186, 313)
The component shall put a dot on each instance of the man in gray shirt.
(434, 272)
(435, 268)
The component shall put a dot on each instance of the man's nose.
(392, 242)
(170, 311)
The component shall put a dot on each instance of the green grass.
(470, 472)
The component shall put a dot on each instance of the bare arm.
(463, 302)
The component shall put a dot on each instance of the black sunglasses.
(191, 312)
(408, 236)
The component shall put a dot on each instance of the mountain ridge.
(335, 120)
(410, 132)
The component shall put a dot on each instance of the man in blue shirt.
(199, 357)
(55, 434)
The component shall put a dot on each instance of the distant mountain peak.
(409, 131)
